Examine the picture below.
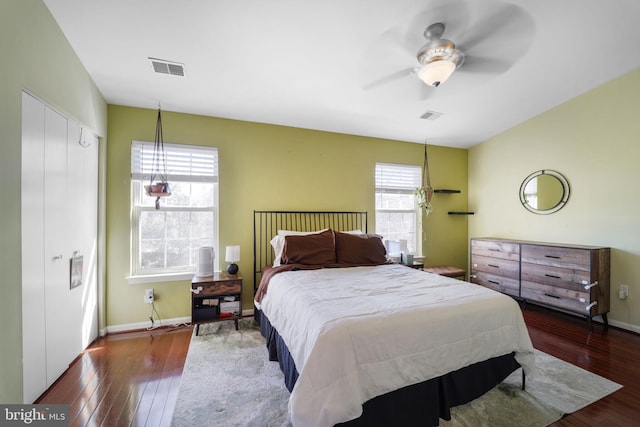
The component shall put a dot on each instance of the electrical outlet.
(624, 292)
(148, 296)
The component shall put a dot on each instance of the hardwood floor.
(132, 379)
(126, 379)
(612, 353)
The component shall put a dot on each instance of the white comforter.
(356, 333)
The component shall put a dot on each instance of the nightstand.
(216, 298)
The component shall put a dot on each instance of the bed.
(362, 342)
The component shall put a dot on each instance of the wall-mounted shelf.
(450, 191)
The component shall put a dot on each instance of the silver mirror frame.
(563, 200)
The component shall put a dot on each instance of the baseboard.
(595, 319)
(624, 325)
(125, 327)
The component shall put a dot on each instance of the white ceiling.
(337, 65)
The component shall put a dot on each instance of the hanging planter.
(424, 193)
(423, 197)
(159, 189)
(158, 167)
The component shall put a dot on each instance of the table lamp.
(232, 255)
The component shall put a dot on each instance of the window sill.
(155, 278)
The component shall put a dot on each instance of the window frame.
(402, 186)
(140, 176)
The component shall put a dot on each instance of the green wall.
(268, 167)
(35, 57)
(593, 141)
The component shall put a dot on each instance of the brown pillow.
(311, 249)
(359, 249)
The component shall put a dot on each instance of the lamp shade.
(232, 254)
(436, 72)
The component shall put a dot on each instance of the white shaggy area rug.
(229, 381)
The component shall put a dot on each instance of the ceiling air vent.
(167, 67)
(431, 115)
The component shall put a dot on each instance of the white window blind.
(184, 162)
(397, 178)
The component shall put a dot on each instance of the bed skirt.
(418, 404)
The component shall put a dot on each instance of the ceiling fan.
(489, 39)
(438, 57)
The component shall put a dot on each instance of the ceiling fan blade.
(483, 65)
(383, 60)
(499, 25)
(389, 78)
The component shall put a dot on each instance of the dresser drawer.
(496, 249)
(558, 297)
(577, 259)
(496, 266)
(555, 276)
(502, 284)
(220, 288)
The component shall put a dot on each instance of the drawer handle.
(494, 282)
(588, 308)
(493, 265)
(494, 250)
(552, 276)
(587, 287)
(552, 296)
(552, 256)
(473, 276)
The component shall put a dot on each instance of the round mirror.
(544, 192)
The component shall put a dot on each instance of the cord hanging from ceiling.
(158, 166)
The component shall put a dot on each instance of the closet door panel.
(32, 208)
(90, 239)
(57, 254)
(74, 214)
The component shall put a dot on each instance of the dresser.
(495, 264)
(573, 278)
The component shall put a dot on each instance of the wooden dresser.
(567, 277)
(496, 265)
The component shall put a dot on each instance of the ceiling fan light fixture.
(436, 72)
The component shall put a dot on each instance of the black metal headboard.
(267, 223)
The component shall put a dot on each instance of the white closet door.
(74, 217)
(59, 220)
(33, 311)
(90, 239)
(82, 208)
(56, 246)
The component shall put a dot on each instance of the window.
(166, 241)
(397, 214)
(530, 193)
